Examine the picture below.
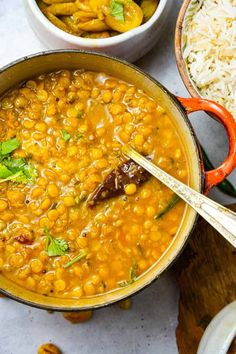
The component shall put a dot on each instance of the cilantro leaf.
(18, 177)
(11, 169)
(133, 273)
(65, 134)
(17, 170)
(132, 276)
(54, 246)
(9, 145)
(75, 259)
(30, 172)
(57, 247)
(4, 172)
(14, 164)
(117, 10)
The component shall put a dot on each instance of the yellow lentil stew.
(61, 134)
(97, 18)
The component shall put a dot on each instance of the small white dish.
(220, 332)
(131, 45)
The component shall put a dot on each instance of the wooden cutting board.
(206, 274)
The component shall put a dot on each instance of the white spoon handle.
(221, 218)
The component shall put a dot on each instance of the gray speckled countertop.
(150, 326)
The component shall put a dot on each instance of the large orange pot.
(178, 108)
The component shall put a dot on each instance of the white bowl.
(130, 45)
(220, 332)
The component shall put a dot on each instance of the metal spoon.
(221, 218)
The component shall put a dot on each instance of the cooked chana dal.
(48, 348)
(78, 317)
(61, 134)
(97, 18)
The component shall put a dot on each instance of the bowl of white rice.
(205, 47)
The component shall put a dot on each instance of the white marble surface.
(150, 326)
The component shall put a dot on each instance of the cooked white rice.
(209, 49)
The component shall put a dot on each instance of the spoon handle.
(221, 218)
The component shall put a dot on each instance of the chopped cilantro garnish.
(30, 173)
(16, 177)
(4, 172)
(117, 10)
(11, 169)
(54, 246)
(17, 170)
(75, 259)
(132, 276)
(9, 145)
(14, 164)
(133, 273)
(65, 134)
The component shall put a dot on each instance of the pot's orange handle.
(214, 177)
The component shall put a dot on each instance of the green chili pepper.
(225, 186)
(171, 204)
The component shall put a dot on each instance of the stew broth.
(69, 127)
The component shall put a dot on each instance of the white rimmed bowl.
(131, 45)
(220, 332)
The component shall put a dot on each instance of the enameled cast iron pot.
(178, 108)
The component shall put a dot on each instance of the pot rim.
(133, 288)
